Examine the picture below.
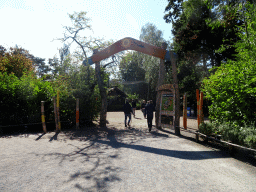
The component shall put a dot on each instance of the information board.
(167, 102)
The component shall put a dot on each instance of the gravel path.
(118, 159)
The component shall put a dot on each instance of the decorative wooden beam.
(128, 43)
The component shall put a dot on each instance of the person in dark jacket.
(127, 112)
(150, 114)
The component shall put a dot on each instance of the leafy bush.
(232, 132)
(15, 62)
(232, 88)
(21, 91)
(207, 128)
(134, 96)
(21, 98)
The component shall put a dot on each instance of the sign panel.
(167, 102)
(167, 109)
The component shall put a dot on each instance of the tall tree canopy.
(16, 61)
(136, 66)
(202, 28)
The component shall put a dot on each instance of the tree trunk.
(103, 94)
(177, 95)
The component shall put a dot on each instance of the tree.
(151, 35)
(232, 87)
(174, 9)
(142, 67)
(80, 22)
(41, 67)
(133, 74)
(2, 51)
(54, 65)
(204, 36)
(131, 68)
(15, 61)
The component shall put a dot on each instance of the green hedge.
(231, 131)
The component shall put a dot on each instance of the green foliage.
(136, 66)
(21, 98)
(207, 128)
(239, 134)
(15, 62)
(22, 92)
(204, 36)
(232, 87)
(150, 34)
(87, 91)
(174, 9)
(244, 135)
(133, 96)
(131, 68)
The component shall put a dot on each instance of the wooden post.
(197, 137)
(198, 108)
(185, 111)
(103, 94)
(43, 116)
(58, 110)
(201, 107)
(159, 83)
(55, 113)
(77, 113)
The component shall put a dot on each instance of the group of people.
(147, 110)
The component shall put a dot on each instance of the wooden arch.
(128, 43)
(133, 44)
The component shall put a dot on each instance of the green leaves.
(15, 62)
(232, 87)
(21, 97)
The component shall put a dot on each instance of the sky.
(36, 24)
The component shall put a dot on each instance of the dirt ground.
(118, 159)
(114, 118)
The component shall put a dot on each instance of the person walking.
(150, 114)
(127, 112)
(133, 107)
(143, 105)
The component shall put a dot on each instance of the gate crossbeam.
(133, 44)
(128, 43)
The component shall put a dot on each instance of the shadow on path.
(241, 155)
(189, 155)
(54, 137)
(40, 137)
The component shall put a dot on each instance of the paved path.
(118, 159)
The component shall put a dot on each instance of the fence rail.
(197, 133)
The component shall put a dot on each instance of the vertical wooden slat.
(185, 111)
(55, 114)
(77, 113)
(201, 107)
(198, 109)
(43, 116)
(58, 110)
